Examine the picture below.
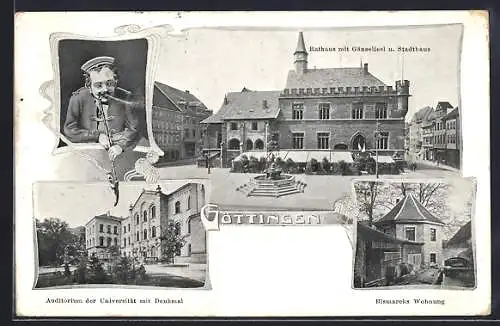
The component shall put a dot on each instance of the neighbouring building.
(101, 233)
(435, 135)
(139, 235)
(407, 234)
(460, 244)
(329, 109)
(176, 121)
(453, 143)
(415, 132)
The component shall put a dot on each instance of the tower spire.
(300, 55)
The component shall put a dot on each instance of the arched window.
(153, 232)
(259, 144)
(358, 142)
(145, 215)
(189, 202)
(234, 144)
(136, 218)
(145, 234)
(153, 212)
(249, 145)
(177, 207)
(189, 249)
(189, 226)
(137, 236)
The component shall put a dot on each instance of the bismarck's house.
(331, 109)
(408, 234)
(140, 233)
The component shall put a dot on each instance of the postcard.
(262, 164)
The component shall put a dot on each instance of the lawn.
(163, 280)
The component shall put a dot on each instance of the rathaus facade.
(330, 109)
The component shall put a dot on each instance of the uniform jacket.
(81, 125)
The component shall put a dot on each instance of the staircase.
(272, 188)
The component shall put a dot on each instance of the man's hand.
(104, 141)
(114, 151)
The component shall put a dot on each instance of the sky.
(76, 203)
(209, 62)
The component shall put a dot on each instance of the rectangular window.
(383, 140)
(116, 241)
(115, 230)
(124, 229)
(124, 242)
(101, 228)
(194, 133)
(433, 234)
(128, 227)
(323, 140)
(432, 258)
(108, 228)
(357, 111)
(101, 241)
(298, 140)
(254, 126)
(234, 126)
(109, 242)
(410, 233)
(381, 111)
(298, 111)
(324, 111)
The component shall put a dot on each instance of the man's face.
(102, 82)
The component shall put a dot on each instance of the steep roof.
(425, 113)
(443, 105)
(179, 97)
(461, 237)
(453, 114)
(376, 235)
(332, 77)
(247, 105)
(409, 210)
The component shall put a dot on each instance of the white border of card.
(255, 271)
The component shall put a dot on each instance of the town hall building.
(327, 109)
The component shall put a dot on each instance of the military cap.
(97, 61)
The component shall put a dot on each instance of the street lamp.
(221, 164)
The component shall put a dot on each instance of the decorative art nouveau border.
(50, 90)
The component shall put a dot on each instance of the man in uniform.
(84, 121)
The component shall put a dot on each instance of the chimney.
(186, 91)
(158, 189)
(130, 207)
(264, 104)
(108, 213)
(225, 100)
(365, 68)
(397, 200)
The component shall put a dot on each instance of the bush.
(343, 167)
(290, 166)
(262, 164)
(326, 165)
(253, 164)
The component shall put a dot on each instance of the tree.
(367, 193)
(171, 240)
(54, 237)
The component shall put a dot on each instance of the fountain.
(273, 183)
